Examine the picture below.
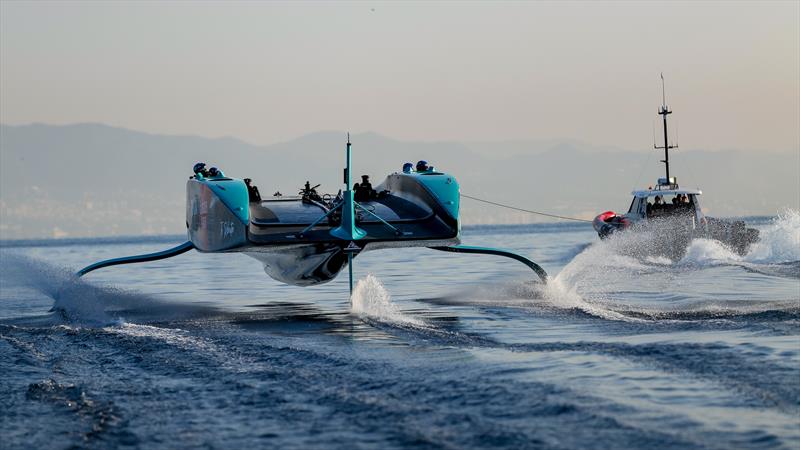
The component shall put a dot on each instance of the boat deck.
(280, 221)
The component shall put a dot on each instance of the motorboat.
(671, 215)
(309, 238)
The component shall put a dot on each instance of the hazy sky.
(268, 72)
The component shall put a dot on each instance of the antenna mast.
(663, 111)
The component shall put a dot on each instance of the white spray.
(778, 243)
(371, 299)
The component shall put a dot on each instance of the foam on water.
(706, 252)
(371, 299)
(778, 243)
(173, 336)
(568, 289)
(590, 280)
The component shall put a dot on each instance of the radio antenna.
(663, 111)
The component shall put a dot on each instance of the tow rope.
(525, 210)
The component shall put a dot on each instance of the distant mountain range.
(98, 180)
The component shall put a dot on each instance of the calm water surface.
(438, 350)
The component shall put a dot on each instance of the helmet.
(214, 172)
(422, 166)
(199, 167)
(408, 167)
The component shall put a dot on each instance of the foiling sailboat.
(308, 239)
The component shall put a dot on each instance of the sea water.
(433, 350)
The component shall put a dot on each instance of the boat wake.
(780, 241)
(777, 253)
(73, 300)
(78, 303)
(779, 244)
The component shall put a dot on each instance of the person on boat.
(252, 191)
(408, 167)
(422, 166)
(309, 193)
(363, 191)
(200, 171)
(658, 207)
(657, 203)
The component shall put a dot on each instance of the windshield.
(636, 206)
(670, 204)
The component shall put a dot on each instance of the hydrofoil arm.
(175, 251)
(497, 252)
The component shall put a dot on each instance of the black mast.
(663, 111)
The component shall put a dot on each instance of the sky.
(462, 71)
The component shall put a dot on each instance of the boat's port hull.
(216, 214)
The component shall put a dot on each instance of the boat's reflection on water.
(287, 318)
(292, 318)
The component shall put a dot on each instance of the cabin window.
(637, 206)
(670, 204)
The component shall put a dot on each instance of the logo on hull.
(227, 229)
(352, 248)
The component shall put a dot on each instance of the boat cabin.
(665, 200)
